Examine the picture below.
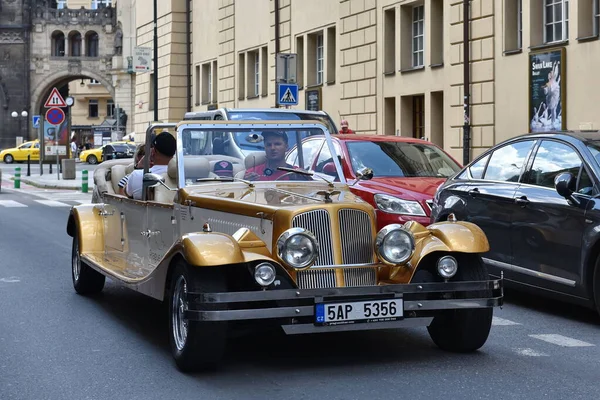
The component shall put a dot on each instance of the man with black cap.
(276, 145)
(162, 149)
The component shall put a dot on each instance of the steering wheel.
(301, 176)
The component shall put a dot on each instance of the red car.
(406, 172)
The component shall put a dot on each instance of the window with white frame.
(110, 108)
(320, 59)
(519, 23)
(61, 4)
(418, 25)
(93, 109)
(556, 20)
(257, 73)
(596, 17)
(96, 4)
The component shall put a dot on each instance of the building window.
(94, 82)
(75, 44)
(418, 108)
(418, 24)
(110, 108)
(91, 44)
(596, 17)
(58, 4)
(320, 58)
(519, 24)
(93, 109)
(256, 74)
(96, 4)
(58, 44)
(556, 20)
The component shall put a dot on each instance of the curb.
(51, 186)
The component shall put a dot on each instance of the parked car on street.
(20, 153)
(119, 149)
(536, 199)
(280, 247)
(406, 172)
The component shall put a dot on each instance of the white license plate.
(362, 311)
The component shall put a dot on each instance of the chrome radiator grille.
(319, 223)
(360, 277)
(356, 235)
(316, 279)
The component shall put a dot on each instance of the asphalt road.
(55, 344)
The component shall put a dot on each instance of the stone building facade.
(391, 67)
(49, 43)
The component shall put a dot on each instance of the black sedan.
(536, 197)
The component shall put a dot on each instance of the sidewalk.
(51, 181)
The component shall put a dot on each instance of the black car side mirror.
(152, 180)
(565, 186)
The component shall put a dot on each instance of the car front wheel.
(195, 345)
(9, 159)
(86, 280)
(468, 329)
(92, 160)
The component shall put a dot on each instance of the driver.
(276, 145)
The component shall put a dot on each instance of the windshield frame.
(228, 126)
(445, 157)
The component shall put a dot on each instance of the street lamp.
(15, 114)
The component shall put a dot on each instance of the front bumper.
(294, 309)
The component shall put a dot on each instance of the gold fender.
(448, 237)
(88, 224)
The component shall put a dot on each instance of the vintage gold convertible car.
(230, 243)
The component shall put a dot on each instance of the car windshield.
(594, 148)
(121, 147)
(202, 163)
(241, 141)
(401, 159)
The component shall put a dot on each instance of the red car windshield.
(401, 159)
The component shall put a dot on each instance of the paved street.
(56, 344)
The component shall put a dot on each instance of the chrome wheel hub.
(179, 306)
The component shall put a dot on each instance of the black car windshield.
(240, 138)
(121, 148)
(594, 148)
(401, 159)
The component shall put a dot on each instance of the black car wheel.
(92, 160)
(195, 345)
(86, 280)
(464, 330)
(9, 159)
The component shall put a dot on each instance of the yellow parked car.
(21, 152)
(119, 149)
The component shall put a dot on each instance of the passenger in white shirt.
(163, 148)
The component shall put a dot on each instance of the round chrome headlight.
(447, 267)
(297, 248)
(264, 274)
(394, 244)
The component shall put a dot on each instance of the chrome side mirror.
(152, 180)
(364, 174)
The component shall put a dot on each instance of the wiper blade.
(305, 173)
(225, 179)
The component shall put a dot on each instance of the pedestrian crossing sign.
(287, 94)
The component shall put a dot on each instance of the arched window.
(75, 44)
(91, 44)
(58, 44)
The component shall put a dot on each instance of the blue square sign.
(35, 120)
(287, 94)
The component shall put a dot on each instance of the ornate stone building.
(46, 44)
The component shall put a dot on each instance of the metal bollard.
(84, 181)
(50, 168)
(28, 164)
(18, 178)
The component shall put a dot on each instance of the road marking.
(83, 201)
(530, 353)
(561, 340)
(52, 203)
(503, 322)
(11, 203)
(12, 279)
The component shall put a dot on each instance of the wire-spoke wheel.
(195, 345)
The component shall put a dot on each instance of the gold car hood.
(239, 198)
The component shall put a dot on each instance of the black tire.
(86, 280)
(203, 345)
(8, 159)
(93, 160)
(464, 330)
(596, 285)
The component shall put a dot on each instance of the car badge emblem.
(268, 172)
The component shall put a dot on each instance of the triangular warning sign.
(55, 100)
(288, 97)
